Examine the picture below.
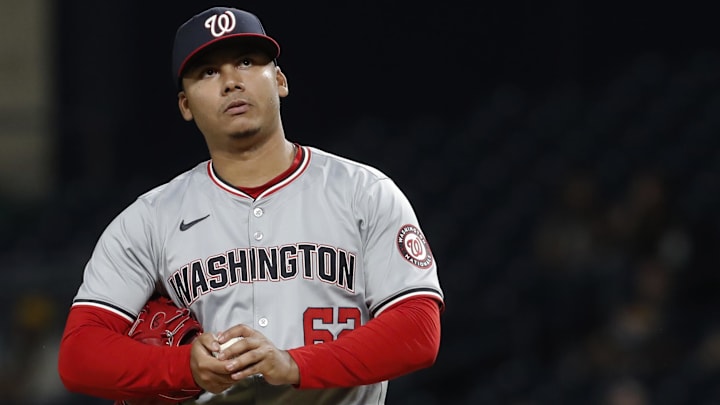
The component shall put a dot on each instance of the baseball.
(227, 344)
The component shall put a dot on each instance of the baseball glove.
(162, 323)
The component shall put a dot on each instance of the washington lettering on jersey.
(248, 265)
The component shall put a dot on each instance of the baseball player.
(316, 262)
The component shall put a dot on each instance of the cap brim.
(262, 43)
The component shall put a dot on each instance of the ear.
(184, 106)
(283, 89)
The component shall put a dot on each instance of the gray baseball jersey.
(314, 256)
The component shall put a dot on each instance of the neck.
(253, 167)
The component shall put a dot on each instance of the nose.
(233, 79)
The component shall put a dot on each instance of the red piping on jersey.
(301, 162)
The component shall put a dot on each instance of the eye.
(245, 62)
(208, 71)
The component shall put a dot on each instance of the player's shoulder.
(155, 207)
(175, 187)
(343, 166)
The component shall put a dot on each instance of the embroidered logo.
(414, 247)
(185, 226)
(221, 24)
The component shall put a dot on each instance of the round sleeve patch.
(413, 246)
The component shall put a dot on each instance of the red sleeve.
(404, 338)
(96, 358)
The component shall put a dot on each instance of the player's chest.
(257, 244)
(265, 239)
(262, 224)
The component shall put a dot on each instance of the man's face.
(232, 93)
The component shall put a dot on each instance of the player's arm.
(402, 339)
(96, 358)
(404, 335)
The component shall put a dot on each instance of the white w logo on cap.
(220, 24)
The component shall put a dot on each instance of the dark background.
(385, 60)
(562, 159)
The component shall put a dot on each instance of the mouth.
(237, 107)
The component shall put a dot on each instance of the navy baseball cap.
(215, 25)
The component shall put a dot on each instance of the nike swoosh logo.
(185, 227)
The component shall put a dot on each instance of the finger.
(223, 379)
(260, 361)
(240, 346)
(209, 341)
(203, 361)
(236, 331)
(213, 377)
(240, 370)
(252, 370)
(274, 366)
(225, 351)
(219, 367)
(255, 353)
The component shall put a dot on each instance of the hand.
(209, 373)
(255, 354)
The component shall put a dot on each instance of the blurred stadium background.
(563, 159)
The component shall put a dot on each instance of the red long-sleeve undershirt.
(402, 339)
(97, 359)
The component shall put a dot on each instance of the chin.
(244, 134)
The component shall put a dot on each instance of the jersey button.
(263, 322)
(258, 235)
(258, 212)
